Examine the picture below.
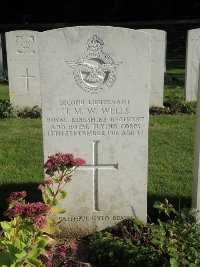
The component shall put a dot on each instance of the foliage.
(4, 77)
(27, 112)
(175, 104)
(179, 237)
(6, 109)
(156, 110)
(25, 238)
(110, 248)
(175, 242)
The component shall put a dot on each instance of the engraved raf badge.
(95, 70)
(25, 44)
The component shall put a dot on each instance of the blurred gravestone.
(1, 59)
(192, 64)
(23, 68)
(158, 65)
(196, 171)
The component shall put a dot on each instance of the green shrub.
(189, 107)
(155, 110)
(6, 109)
(176, 95)
(173, 107)
(175, 242)
(4, 77)
(175, 104)
(124, 245)
(27, 112)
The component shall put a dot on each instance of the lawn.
(4, 92)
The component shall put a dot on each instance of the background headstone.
(1, 58)
(95, 102)
(192, 64)
(23, 68)
(196, 171)
(158, 65)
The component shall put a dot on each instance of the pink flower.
(16, 196)
(78, 162)
(35, 209)
(40, 222)
(67, 250)
(28, 210)
(47, 260)
(48, 182)
(61, 161)
(14, 211)
(42, 187)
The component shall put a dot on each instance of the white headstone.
(95, 102)
(192, 64)
(23, 68)
(158, 65)
(196, 170)
(1, 58)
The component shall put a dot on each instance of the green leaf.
(35, 262)
(45, 198)
(50, 191)
(21, 255)
(52, 230)
(5, 259)
(42, 242)
(51, 220)
(54, 202)
(6, 225)
(13, 249)
(157, 205)
(58, 210)
(34, 253)
(174, 263)
(184, 262)
(61, 195)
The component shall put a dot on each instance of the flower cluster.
(48, 259)
(16, 197)
(60, 162)
(46, 183)
(40, 222)
(28, 210)
(66, 250)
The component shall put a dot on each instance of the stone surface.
(23, 68)
(196, 170)
(192, 64)
(158, 65)
(95, 101)
(1, 58)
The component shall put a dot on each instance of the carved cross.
(95, 166)
(27, 76)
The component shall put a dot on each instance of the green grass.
(168, 91)
(4, 92)
(171, 153)
(21, 154)
(175, 71)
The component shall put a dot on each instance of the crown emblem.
(95, 71)
(94, 44)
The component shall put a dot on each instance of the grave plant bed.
(173, 242)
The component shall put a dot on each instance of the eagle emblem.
(95, 70)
